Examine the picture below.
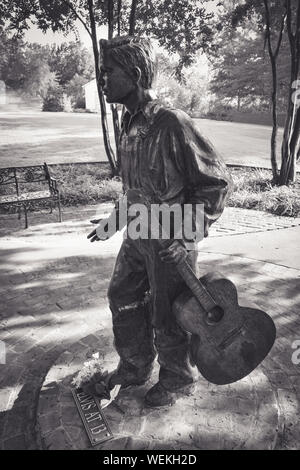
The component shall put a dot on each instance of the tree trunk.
(119, 16)
(132, 17)
(275, 123)
(114, 111)
(291, 139)
(110, 18)
(273, 54)
(290, 144)
(108, 149)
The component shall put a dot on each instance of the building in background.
(91, 96)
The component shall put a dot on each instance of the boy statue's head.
(127, 64)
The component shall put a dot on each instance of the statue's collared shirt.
(164, 155)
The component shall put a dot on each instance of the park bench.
(25, 186)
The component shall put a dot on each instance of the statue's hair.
(131, 52)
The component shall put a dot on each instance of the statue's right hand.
(95, 221)
(101, 229)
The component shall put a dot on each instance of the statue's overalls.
(165, 157)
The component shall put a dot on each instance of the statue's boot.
(158, 396)
(176, 376)
(127, 376)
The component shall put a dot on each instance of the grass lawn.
(32, 138)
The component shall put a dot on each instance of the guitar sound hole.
(215, 315)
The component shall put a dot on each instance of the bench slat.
(9, 198)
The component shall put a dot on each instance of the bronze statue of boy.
(164, 156)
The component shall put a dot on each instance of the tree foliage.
(24, 67)
(70, 59)
(191, 94)
(181, 26)
(242, 74)
(32, 69)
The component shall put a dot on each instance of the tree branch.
(119, 16)
(110, 18)
(297, 34)
(293, 38)
(77, 16)
(274, 54)
(109, 151)
(289, 21)
(94, 35)
(268, 28)
(280, 34)
(132, 17)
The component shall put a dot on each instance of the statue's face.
(118, 84)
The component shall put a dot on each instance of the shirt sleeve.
(207, 180)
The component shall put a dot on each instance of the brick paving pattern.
(238, 416)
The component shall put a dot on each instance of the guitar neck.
(196, 286)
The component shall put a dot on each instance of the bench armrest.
(53, 184)
(52, 181)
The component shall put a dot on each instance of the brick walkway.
(234, 221)
(228, 417)
(53, 292)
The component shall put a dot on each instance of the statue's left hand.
(175, 253)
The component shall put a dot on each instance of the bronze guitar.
(227, 341)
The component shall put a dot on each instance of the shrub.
(282, 200)
(79, 103)
(220, 112)
(252, 189)
(86, 184)
(54, 100)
